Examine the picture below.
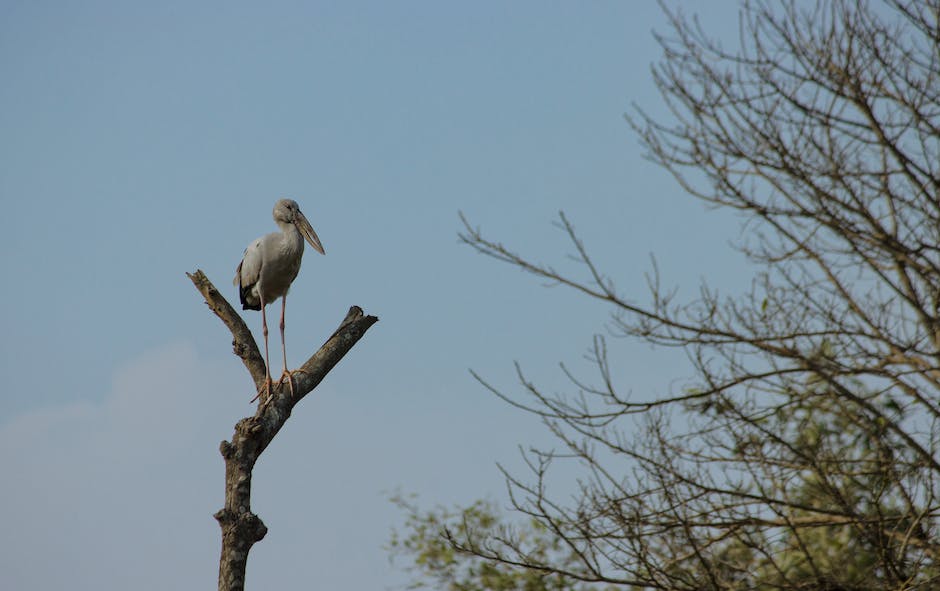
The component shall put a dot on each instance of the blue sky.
(139, 141)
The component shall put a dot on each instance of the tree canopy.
(802, 452)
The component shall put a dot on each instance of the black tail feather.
(243, 292)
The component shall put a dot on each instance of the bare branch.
(243, 342)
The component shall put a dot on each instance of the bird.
(267, 269)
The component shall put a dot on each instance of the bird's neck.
(293, 238)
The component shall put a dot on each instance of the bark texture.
(240, 527)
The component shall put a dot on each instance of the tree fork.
(240, 527)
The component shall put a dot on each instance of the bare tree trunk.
(240, 527)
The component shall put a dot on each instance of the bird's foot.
(290, 380)
(265, 390)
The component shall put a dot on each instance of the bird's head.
(287, 211)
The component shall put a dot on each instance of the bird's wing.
(248, 272)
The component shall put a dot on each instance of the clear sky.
(141, 140)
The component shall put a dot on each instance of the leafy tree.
(436, 559)
(803, 452)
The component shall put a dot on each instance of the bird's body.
(271, 264)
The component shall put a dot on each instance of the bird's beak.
(307, 230)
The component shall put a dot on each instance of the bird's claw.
(265, 390)
(290, 380)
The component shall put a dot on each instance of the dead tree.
(240, 527)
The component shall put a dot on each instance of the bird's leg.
(266, 390)
(286, 372)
